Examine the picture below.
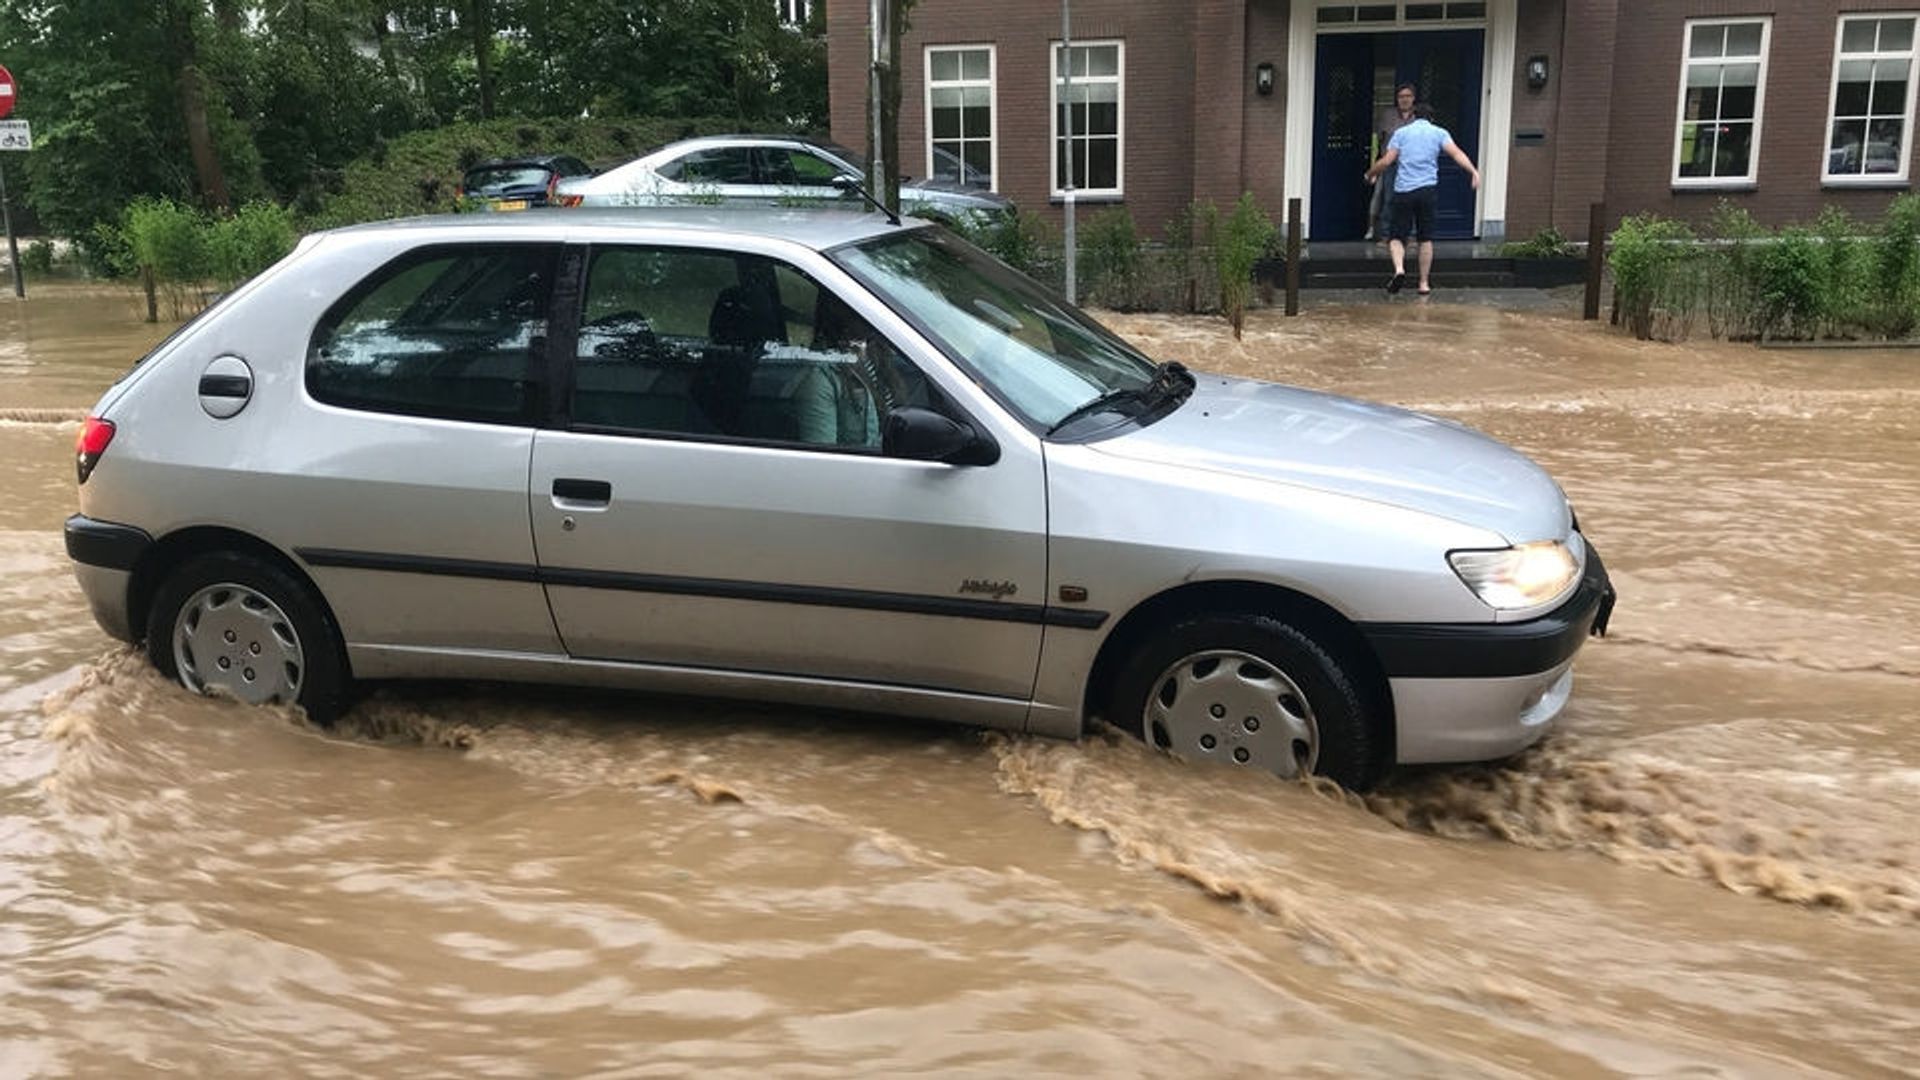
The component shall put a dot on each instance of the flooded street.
(1711, 867)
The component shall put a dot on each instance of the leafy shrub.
(1111, 260)
(37, 259)
(1238, 244)
(165, 243)
(1790, 284)
(1893, 298)
(1733, 273)
(1545, 244)
(1651, 288)
(1021, 239)
(250, 241)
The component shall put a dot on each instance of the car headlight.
(1523, 576)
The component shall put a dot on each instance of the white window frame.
(1907, 117)
(1119, 80)
(993, 102)
(1752, 177)
(790, 8)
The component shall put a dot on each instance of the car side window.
(781, 165)
(720, 165)
(457, 332)
(689, 342)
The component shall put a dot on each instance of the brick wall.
(1793, 133)
(1160, 166)
(1530, 169)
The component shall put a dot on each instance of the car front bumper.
(104, 555)
(1483, 691)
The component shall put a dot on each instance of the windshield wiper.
(1170, 379)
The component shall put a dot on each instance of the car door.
(402, 483)
(715, 496)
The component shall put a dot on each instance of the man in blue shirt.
(1416, 149)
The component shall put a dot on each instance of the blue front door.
(1445, 67)
(1343, 70)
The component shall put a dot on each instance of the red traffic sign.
(6, 92)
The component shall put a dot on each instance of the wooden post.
(1293, 256)
(1596, 257)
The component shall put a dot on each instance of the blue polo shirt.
(1419, 143)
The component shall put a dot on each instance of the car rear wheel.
(229, 624)
(1255, 692)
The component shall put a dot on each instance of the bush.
(250, 241)
(1893, 298)
(1111, 260)
(1652, 287)
(1025, 241)
(1238, 244)
(37, 259)
(1733, 273)
(1790, 285)
(1545, 244)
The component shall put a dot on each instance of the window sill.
(1835, 183)
(1715, 187)
(1080, 197)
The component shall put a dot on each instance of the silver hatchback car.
(813, 457)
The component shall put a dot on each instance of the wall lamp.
(1263, 78)
(1536, 72)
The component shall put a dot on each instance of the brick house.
(1780, 106)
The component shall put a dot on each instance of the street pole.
(13, 245)
(1066, 97)
(876, 89)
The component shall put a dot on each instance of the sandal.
(1396, 283)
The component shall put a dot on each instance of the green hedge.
(1834, 278)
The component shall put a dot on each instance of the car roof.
(816, 228)
(522, 160)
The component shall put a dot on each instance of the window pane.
(1702, 103)
(1708, 41)
(979, 158)
(1103, 119)
(1889, 87)
(1733, 150)
(1850, 96)
(1886, 146)
(449, 335)
(1696, 150)
(1336, 15)
(1103, 60)
(1423, 12)
(1845, 151)
(1103, 165)
(1377, 13)
(1896, 35)
(1467, 11)
(973, 64)
(946, 115)
(1856, 35)
(1737, 101)
(1743, 39)
(976, 122)
(811, 169)
(945, 66)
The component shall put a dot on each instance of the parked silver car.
(813, 457)
(764, 169)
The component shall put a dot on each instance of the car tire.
(230, 624)
(1256, 692)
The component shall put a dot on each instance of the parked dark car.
(519, 182)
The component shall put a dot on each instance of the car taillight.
(566, 200)
(95, 434)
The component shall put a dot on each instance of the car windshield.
(492, 181)
(1038, 354)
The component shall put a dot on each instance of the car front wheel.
(229, 624)
(1256, 692)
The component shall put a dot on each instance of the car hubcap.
(229, 639)
(1235, 708)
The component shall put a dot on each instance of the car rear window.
(507, 178)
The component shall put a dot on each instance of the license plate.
(511, 204)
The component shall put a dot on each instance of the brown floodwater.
(1711, 868)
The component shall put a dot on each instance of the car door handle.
(581, 492)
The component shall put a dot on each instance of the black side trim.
(767, 592)
(104, 544)
(413, 564)
(1496, 650)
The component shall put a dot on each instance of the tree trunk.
(483, 53)
(191, 88)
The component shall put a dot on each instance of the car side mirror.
(924, 435)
